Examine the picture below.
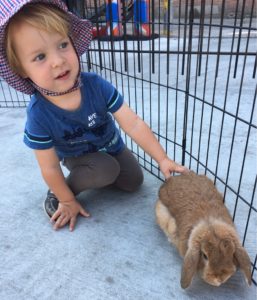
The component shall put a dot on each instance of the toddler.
(70, 117)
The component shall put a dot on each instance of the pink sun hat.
(81, 34)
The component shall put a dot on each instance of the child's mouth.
(63, 75)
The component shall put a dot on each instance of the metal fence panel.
(192, 77)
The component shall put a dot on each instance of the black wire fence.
(188, 68)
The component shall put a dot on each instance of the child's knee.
(137, 181)
(132, 183)
(96, 174)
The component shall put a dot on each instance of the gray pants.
(96, 170)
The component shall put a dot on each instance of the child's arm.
(140, 132)
(68, 207)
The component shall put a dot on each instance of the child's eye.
(63, 45)
(39, 57)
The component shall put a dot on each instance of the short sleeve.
(114, 99)
(35, 136)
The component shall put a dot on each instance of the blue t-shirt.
(88, 129)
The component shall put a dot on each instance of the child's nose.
(57, 60)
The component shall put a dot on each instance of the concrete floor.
(119, 253)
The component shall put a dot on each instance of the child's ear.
(20, 71)
(23, 74)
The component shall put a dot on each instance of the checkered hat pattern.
(81, 34)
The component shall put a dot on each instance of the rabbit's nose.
(216, 281)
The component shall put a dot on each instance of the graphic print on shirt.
(91, 128)
(90, 133)
(91, 120)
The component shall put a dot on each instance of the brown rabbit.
(191, 212)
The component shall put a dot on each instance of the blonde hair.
(42, 16)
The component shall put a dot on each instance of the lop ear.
(189, 268)
(244, 263)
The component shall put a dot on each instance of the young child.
(70, 115)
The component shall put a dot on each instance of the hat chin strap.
(77, 85)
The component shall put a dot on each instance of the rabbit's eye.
(205, 256)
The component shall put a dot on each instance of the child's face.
(48, 59)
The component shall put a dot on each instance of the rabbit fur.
(191, 212)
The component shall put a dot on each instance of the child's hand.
(67, 212)
(168, 166)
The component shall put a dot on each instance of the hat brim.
(81, 34)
